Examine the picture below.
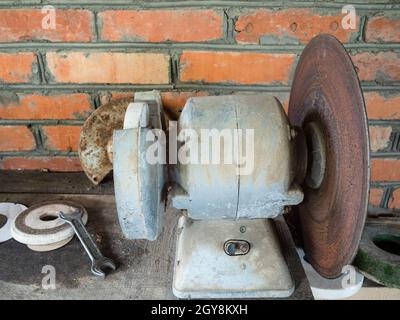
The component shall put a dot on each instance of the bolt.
(242, 229)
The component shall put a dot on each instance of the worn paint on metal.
(139, 185)
(204, 270)
(216, 191)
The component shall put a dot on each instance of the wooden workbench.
(144, 268)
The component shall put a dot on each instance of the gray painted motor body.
(205, 190)
(217, 191)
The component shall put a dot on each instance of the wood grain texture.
(52, 183)
(145, 268)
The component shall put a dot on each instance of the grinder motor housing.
(226, 243)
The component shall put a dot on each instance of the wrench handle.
(84, 237)
(86, 240)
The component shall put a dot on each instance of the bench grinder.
(316, 159)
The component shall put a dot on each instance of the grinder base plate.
(204, 270)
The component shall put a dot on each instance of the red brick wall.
(51, 79)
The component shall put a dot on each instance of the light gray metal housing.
(216, 191)
(204, 270)
(139, 185)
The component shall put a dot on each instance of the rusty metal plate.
(96, 138)
(326, 92)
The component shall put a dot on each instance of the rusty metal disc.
(96, 137)
(327, 103)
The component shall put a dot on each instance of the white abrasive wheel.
(50, 247)
(10, 211)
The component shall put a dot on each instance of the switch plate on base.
(204, 269)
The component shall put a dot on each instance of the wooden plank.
(383, 216)
(145, 268)
(51, 183)
(386, 221)
(376, 293)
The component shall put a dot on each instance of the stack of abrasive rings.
(39, 227)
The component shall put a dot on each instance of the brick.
(26, 25)
(394, 201)
(41, 163)
(122, 95)
(39, 107)
(385, 169)
(379, 137)
(375, 196)
(17, 67)
(161, 25)
(380, 107)
(382, 29)
(380, 67)
(289, 26)
(235, 67)
(62, 138)
(16, 138)
(108, 67)
(173, 101)
(106, 97)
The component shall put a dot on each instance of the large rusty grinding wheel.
(327, 103)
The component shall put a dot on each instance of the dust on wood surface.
(145, 268)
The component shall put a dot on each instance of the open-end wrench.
(99, 262)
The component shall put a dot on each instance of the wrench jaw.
(71, 216)
(102, 264)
